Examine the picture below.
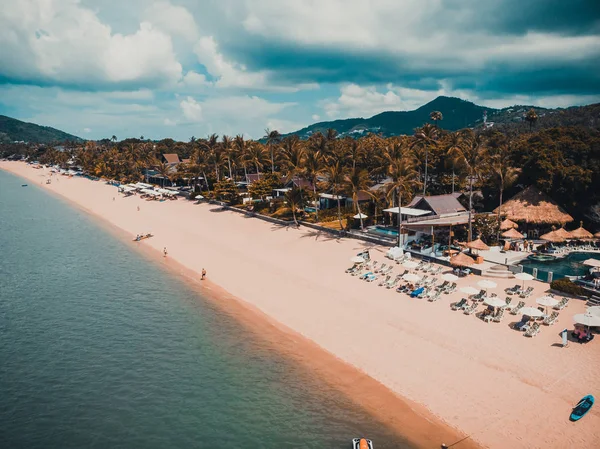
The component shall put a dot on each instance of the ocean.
(102, 348)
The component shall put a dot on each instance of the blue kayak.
(582, 408)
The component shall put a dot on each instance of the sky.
(183, 68)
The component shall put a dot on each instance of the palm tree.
(504, 172)
(226, 145)
(354, 150)
(295, 198)
(273, 138)
(455, 143)
(241, 147)
(435, 117)
(425, 138)
(292, 156)
(256, 155)
(356, 182)
(473, 156)
(531, 117)
(163, 169)
(335, 174)
(312, 167)
(400, 161)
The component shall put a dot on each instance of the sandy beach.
(454, 375)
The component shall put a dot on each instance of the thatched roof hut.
(508, 224)
(533, 206)
(581, 233)
(478, 244)
(512, 234)
(554, 237)
(461, 260)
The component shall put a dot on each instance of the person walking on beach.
(138, 208)
(203, 274)
(165, 251)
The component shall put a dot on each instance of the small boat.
(142, 237)
(23, 185)
(362, 443)
(582, 407)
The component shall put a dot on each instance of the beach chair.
(437, 271)
(508, 300)
(443, 286)
(533, 330)
(512, 290)
(470, 310)
(478, 296)
(459, 305)
(381, 268)
(387, 270)
(365, 275)
(551, 319)
(522, 325)
(392, 283)
(527, 292)
(435, 296)
(424, 293)
(372, 277)
(489, 316)
(417, 292)
(515, 310)
(384, 281)
(498, 317)
(562, 304)
(451, 288)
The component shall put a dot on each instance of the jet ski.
(362, 443)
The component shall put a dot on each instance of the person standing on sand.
(165, 251)
(138, 208)
(203, 274)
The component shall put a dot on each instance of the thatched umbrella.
(478, 244)
(597, 235)
(562, 232)
(512, 233)
(553, 237)
(461, 260)
(581, 233)
(533, 206)
(508, 224)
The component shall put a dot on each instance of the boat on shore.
(362, 443)
(142, 237)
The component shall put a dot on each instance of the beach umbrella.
(553, 237)
(581, 233)
(587, 319)
(547, 301)
(564, 233)
(486, 284)
(410, 277)
(357, 259)
(532, 312)
(410, 264)
(592, 263)
(461, 260)
(512, 234)
(508, 224)
(594, 310)
(478, 245)
(361, 215)
(469, 290)
(449, 277)
(597, 235)
(524, 276)
(495, 302)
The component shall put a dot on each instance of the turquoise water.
(570, 265)
(381, 230)
(99, 348)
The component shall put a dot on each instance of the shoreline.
(384, 389)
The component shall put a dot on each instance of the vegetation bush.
(566, 286)
(226, 191)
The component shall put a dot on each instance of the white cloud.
(87, 130)
(192, 110)
(62, 42)
(316, 117)
(175, 20)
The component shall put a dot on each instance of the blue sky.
(179, 68)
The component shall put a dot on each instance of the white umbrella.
(587, 319)
(411, 277)
(532, 312)
(410, 264)
(357, 259)
(485, 284)
(359, 216)
(595, 310)
(449, 277)
(495, 302)
(469, 290)
(592, 263)
(547, 301)
(524, 276)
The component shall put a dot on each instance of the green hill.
(13, 130)
(457, 114)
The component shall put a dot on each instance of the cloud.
(174, 20)
(87, 130)
(192, 110)
(60, 42)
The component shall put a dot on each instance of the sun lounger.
(507, 306)
(522, 325)
(381, 268)
(365, 275)
(498, 317)
(435, 296)
(470, 309)
(512, 290)
(451, 288)
(386, 270)
(443, 286)
(416, 292)
(459, 305)
(533, 330)
(515, 310)
(392, 282)
(527, 292)
(384, 281)
(562, 304)
(372, 277)
(550, 320)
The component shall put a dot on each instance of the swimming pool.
(570, 265)
(382, 230)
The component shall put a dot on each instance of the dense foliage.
(15, 130)
(566, 286)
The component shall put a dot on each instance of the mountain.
(457, 114)
(12, 130)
